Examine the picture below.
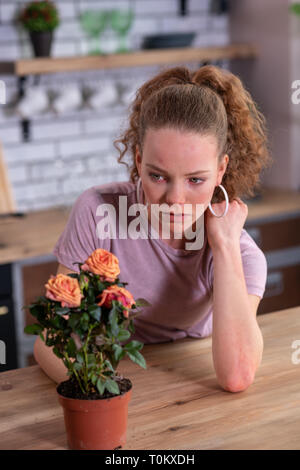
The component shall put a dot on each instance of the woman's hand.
(225, 231)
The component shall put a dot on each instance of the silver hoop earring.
(227, 203)
(138, 190)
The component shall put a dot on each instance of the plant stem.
(70, 366)
(86, 380)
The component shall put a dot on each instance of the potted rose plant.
(88, 319)
(40, 19)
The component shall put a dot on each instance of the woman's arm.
(44, 355)
(49, 362)
(237, 342)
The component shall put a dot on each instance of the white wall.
(70, 153)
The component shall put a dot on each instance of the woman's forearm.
(237, 342)
(49, 362)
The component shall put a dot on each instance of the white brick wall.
(69, 153)
(55, 130)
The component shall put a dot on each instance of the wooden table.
(177, 402)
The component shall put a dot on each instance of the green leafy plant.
(295, 8)
(88, 319)
(40, 16)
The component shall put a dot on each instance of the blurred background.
(68, 73)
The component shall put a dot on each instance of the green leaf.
(84, 321)
(112, 386)
(108, 364)
(95, 312)
(123, 335)
(71, 348)
(77, 366)
(136, 357)
(57, 353)
(94, 379)
(91, 359)
(91, 295)
(80, 357)
(62, 310)
(56, 322)
(131, 327)
(50, 341)
(75, 276)
(100, 285)
(113, 321)
(100, 386)
(74, 320)
(142, 303)
(34, 329)
(133, 345)
(38, 310)
(118, 352)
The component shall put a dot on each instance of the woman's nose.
(175, 195)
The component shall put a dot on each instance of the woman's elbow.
(237, 383)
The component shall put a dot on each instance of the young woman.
(188, 133)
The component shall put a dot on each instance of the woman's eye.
(194, 180)
(198, 180)
(154, 176)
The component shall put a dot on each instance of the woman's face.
(179, 167)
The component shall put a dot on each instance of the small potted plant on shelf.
(88, 319)
(295, 8)
(40, 19)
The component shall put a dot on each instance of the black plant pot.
(41, 43)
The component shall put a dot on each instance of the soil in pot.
(94, 421)
(70, 388)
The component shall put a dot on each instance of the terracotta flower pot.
(96, 424)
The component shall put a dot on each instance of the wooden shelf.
(37, 66)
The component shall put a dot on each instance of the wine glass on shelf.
(121, 21)
(93, 23)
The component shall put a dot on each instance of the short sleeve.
(78, 240)
(254, 265)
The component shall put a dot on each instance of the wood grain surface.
(176, 402)
(131, 59)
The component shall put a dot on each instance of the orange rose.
(104, 263)
(118, 293)
(64, 289)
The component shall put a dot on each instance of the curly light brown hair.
(208, 101)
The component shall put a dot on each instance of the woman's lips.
(176, 216)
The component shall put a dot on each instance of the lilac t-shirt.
(178, 283)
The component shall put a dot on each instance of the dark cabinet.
(8, 343)
(279, 239)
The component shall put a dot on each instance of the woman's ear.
(138, 160)
(222, 169)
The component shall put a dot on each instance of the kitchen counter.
(176, 402)
(36, 233)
